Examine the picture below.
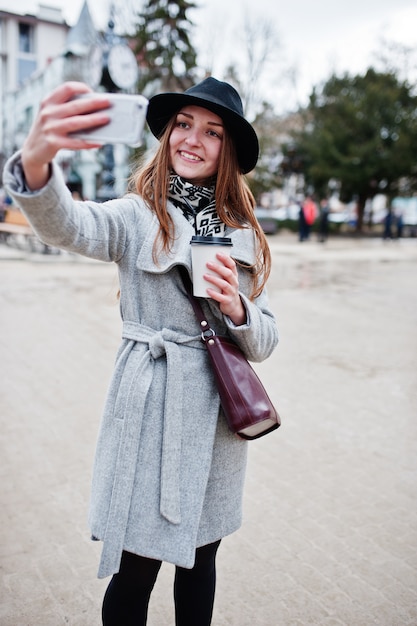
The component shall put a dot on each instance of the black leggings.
(127, 597)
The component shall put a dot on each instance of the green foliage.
(361, 131)
(166, 56)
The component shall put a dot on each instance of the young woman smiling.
(168, 475)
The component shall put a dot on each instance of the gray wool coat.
(168, 475)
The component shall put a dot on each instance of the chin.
(193, 178)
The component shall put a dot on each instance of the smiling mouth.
(190, 157)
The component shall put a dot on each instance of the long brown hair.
(235, 202)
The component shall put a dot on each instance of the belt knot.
(157, 345)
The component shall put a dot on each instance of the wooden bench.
(15, 223)
(15, 231)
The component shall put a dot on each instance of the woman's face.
(195, 144)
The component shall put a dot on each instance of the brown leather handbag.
(249, 411)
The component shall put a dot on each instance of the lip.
(190, 157)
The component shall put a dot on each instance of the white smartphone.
(127, 120)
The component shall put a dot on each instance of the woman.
(168, 475)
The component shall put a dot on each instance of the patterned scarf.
(197, 204)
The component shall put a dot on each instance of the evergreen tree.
(361, 131)
(166, 56)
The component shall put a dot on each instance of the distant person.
(301, 223)
(169, 475)
(2, 205)
(399, 221)
(323, 227)
(307, 217)
(388, 224)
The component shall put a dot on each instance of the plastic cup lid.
(224, 241)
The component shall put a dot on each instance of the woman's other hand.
(226, 279)
(59, 115)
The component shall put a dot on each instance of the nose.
(193, 137)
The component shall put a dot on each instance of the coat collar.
(243, 245)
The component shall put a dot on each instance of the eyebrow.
(192, 117)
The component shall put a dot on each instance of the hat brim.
(164, 106)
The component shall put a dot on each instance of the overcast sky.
(317, 37)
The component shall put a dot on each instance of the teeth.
(187, 155)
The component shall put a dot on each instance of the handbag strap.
(198, 310)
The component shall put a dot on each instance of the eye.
(214, 133)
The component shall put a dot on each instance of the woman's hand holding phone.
(60, 115)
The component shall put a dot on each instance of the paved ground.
(330, 532)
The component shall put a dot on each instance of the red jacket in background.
(310, 211)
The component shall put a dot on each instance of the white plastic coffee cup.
(204, 250)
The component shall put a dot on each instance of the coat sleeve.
(259, 336)
(96, 230)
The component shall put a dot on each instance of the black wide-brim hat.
(218, 97)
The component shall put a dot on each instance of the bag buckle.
(207, 332)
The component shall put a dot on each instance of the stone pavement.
(330, 527)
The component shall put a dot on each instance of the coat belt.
(164, 342)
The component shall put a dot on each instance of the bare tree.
(262, 47)
(397, 58)
(249, 55)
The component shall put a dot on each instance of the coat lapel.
(243, 245)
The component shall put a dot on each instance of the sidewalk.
(330, 525)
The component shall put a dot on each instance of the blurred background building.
(39, 52)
